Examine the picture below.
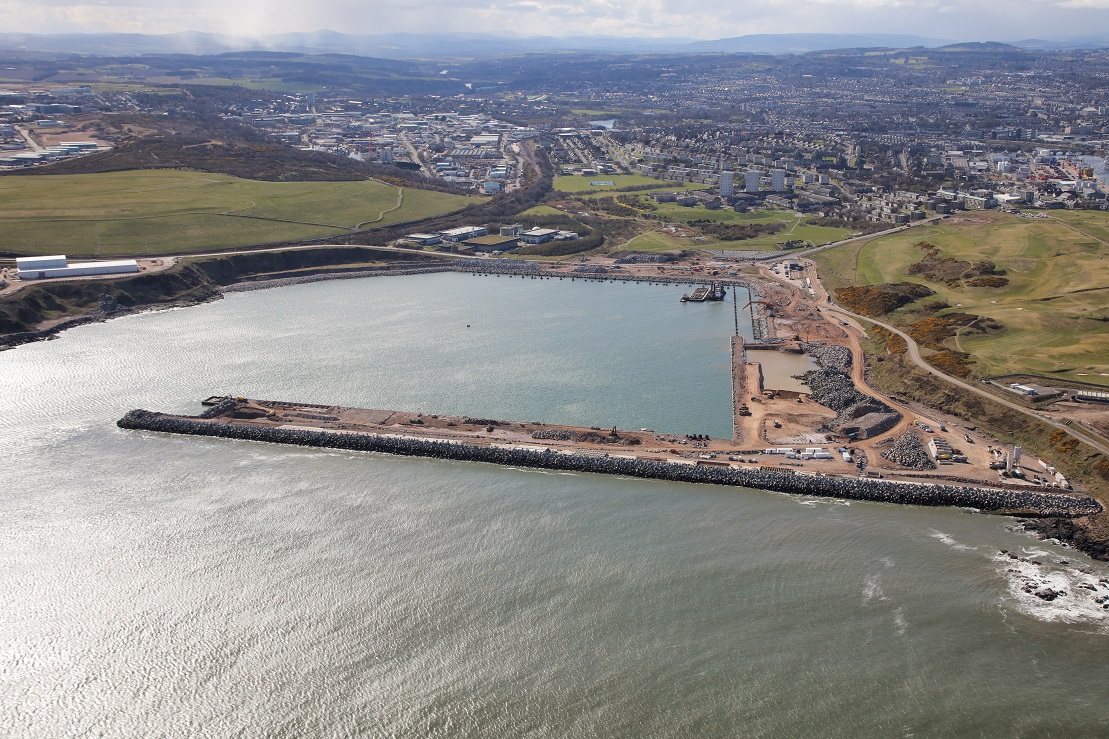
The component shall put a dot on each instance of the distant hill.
(469, 45)
(979, 46)
(1090, 42)
(478, 45)
(800, 43)
(392, 46)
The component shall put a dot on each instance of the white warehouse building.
(42, 268)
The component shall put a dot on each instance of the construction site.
(801, 407)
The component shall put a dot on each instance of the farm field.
(574, 183)
(158, 212)
(542, 210)
(796, 228)
(1054, 310)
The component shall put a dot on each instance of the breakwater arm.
(1030, 503)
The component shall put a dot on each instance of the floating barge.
(712, 293)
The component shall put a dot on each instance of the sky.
(979, 20)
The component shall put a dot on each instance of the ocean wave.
(950, 541)
(1056, 591)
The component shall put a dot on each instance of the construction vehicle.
(770, 307)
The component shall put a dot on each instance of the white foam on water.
(872, 589)
(899, 620)
(950, 541)
(1056, 591)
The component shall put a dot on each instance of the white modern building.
(778, 180)
(42, 268)
(538, 235)
(727, 184)
(462, 233)
(751, 180)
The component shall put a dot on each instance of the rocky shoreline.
(509, 268)
(11, 341)
(1031, 503)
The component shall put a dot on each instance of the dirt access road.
(831, 311)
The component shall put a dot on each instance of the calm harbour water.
(174, 586)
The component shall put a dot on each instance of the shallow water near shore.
(175, 586)
(780, 369)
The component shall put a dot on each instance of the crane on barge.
(713, 293)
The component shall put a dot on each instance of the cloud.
(981, 20)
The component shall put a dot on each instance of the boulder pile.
(553, 434)
(908, 450)
(857, 414)
(830, 356)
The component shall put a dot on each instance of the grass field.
(658, 241)
(795, 228)
(542, 210)
(1055, 309)
(152, 212)
(573, 183)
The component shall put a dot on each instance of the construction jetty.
(593, 450)
(712, 293)
(746, 382)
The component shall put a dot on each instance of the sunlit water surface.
(159, 585)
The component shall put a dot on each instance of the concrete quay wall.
(494, 267)
(1031, 503)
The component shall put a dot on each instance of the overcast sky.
(986, 20)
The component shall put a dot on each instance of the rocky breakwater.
(784, 481)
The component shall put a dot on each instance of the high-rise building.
(778, 180)
(727, 184)
(751, 182)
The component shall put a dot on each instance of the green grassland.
(795, 228)
(1054, 310)
(272, 85)
(152, 212)
(542, 210)
(660, 241)
(573, 183)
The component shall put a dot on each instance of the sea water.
(159, 585)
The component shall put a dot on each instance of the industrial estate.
(916, 237)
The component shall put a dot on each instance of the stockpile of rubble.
(640, 258)
(830, 356)
(553, 434)
(908, 450)
(857, 414)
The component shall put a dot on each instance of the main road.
(415, 154)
